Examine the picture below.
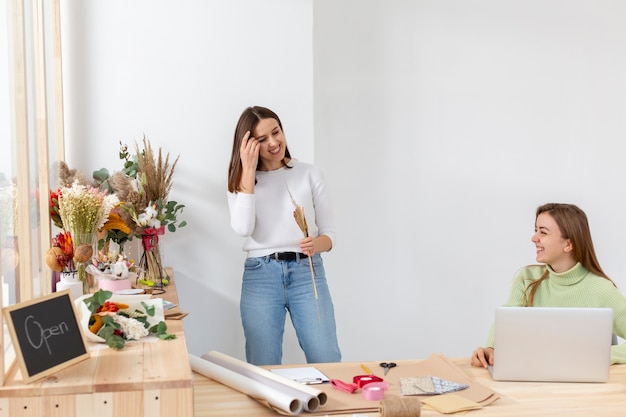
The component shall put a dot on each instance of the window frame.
(36, 141)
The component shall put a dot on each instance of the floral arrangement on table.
(113, 270)
(80, 210)
(141, 209)
(116, 322)
(143, 187)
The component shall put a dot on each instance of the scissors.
(388, 366)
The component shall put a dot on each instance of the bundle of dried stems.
(158, 172)
(298, 215)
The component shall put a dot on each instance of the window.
(31, 139)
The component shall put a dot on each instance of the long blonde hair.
(573, 224)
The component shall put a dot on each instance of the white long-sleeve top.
(266, 218)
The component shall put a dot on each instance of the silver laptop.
(552, 344)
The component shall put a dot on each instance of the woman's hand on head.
(482, 357)
(249, 152)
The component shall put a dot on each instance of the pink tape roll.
(375, 391)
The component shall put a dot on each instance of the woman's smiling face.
(272, 142)
(552, 248)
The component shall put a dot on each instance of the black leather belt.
(287, 256)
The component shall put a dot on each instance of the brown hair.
(248, 121)
(574, 226)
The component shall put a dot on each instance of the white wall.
(440, 125)
(443, 125)
(181, 73)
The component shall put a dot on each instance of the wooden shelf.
(147, 378)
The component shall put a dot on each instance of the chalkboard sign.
(46, 334)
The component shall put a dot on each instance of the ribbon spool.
(361, 380)
(400, 407)
(375, 391)
(358, 381)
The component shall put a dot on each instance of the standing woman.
(264, 183)
(569, 275)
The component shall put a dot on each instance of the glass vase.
(152, 273)
(85, 248)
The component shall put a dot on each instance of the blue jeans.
(271, 288)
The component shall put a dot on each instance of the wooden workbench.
(149, 378)
(517, 399)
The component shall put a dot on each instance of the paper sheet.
(436, 364)
(451, 403)
(304, 375)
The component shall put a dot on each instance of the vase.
(152, 273)
(68, 280)
(85, 248)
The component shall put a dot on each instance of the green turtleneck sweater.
(574, 288)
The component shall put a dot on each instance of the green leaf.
(115, 341)
(108, 322)
(101, 175)
(107, 332)
(150, 310)
(97, 300)
(159, 328)
(101, 296)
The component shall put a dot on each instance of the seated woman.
(569, 275)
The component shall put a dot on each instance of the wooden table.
(517, 399)
(151, 379)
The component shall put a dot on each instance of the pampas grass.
(156, 172)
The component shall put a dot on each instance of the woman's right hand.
(482, 357)
(249, 152)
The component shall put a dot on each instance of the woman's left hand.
(307, 246)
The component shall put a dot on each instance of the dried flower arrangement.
(144, 187)
(141, 208)
(81, 210)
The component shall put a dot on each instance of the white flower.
(135, 185)
(148, 218)
(143, 219)
(151, 211)
(132, 329)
